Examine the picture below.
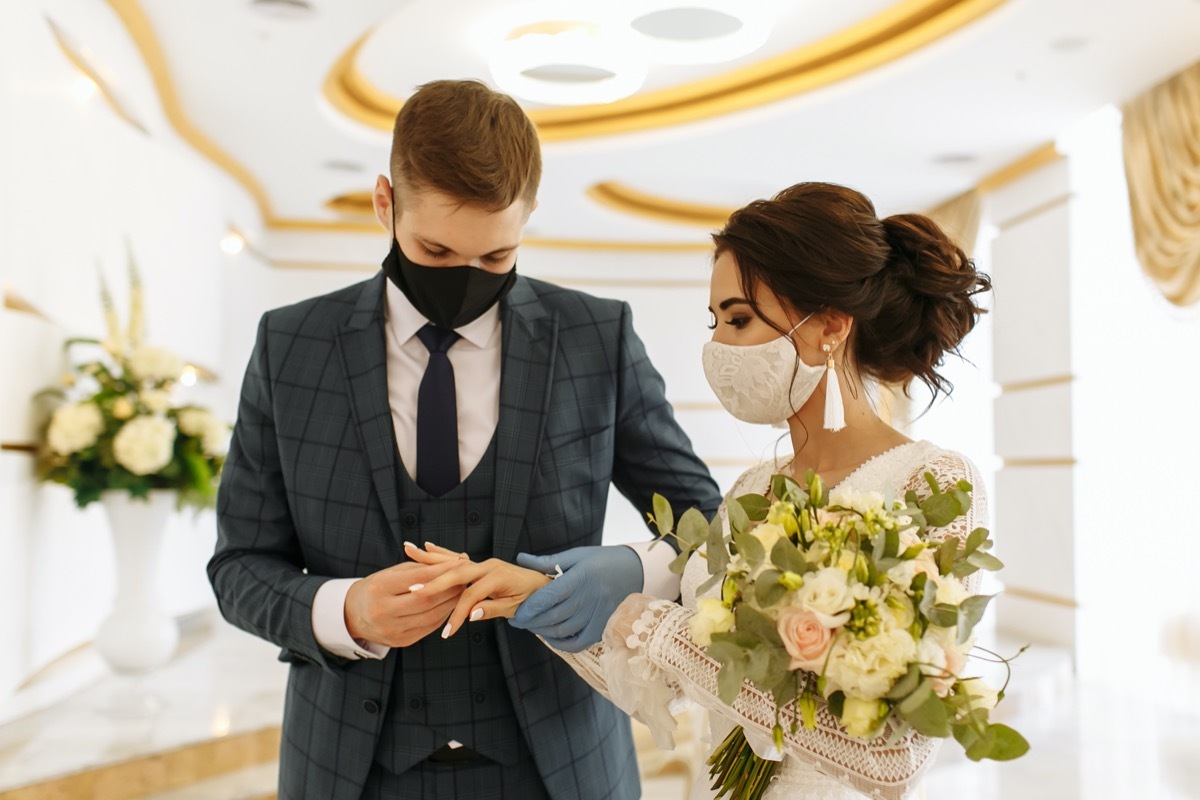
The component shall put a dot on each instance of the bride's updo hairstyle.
(908, 287)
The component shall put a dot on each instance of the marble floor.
(1088, 742)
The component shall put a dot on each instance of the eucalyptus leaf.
(767, 589)
(837, 703)
(664, 517)
(1007, 745)
(750, 549)
(946, 554)
(709, 583)
(738, 520)
(983, 745)
(943, 615)
(916, 697)
(985, 561)
(757, 624)
(693, 529)
(892, 547)
(787, 557)
(715, 549)
(965, 734)
(906, 685)
(729, 680)
(970, 611)
(755, 505)
(930, 717)
(940, 510)
(679, 562)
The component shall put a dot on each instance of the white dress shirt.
(476, 361)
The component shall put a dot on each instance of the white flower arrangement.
(118, 425)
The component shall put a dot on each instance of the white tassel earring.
(835, 411)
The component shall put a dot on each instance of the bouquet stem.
(737, 771)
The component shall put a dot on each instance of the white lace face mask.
(761, 383)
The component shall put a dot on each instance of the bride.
(813, 299)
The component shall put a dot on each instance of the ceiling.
(912, 123)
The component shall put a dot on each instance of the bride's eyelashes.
(737, 322)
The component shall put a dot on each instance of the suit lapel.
(364, 362)
(527, 369)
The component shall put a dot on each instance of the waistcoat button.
(410, 520)
(474, 517)
(480, 698)
(370, 706)
(415, 703)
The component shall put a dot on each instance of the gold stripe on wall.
(158, 772)
(18, 447)
(902, 28)
(627, 200)
(1034, 212)
(1039, 597)
(1039, 383)
(1014, 463)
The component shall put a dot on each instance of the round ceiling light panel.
(701, 31)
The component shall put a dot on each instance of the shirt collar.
(405, 320)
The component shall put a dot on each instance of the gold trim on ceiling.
(1046, 154)
(14, 302)
(1036, 463)
(627, 200)
(19, 447)
(903, 28)
(1039, 597)
(1037, 383)
(81, 63)
(352, 204)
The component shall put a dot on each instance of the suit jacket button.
(474, 517)
(480, 698)
(415, 703)
(477, 637)
(410, 520)
(370, 706)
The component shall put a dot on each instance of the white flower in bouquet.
(950, 590)
(155, 400)
(982, 695)
(144, 445)
(943, 657)
(768, 533)
(827, 592)
(711, 617)
(862, 502)
(74, 427)
(123, 408)
(207, 427)
(155, 364)
(867, 668)
(864, 718)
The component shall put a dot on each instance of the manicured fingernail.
(416, 587)
(446, 631)
(477, 615)
(410, 544)
(431, 544)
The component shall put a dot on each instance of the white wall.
(76, 181)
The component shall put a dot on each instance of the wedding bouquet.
(841, 595)
(117, 425)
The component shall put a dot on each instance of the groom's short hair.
(468, 141)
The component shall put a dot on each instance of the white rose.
(156, 400)
(982, 695)
(867, 668)
(122, 408)
(864, 718)
(903, 573)
(826, 592)
(215, 439)
(74, 427)
(950, 590)
(897, 612)
(711, 617)
(862, 502)
(144, 445)
(768, 533)
(153, 364)
(194, 421)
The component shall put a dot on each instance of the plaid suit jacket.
(309, 493)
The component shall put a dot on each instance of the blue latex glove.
(571, 611)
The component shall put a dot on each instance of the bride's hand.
(495, 588)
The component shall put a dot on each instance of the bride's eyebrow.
(733, 301)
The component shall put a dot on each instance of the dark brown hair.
(462, 138)
(908, 287)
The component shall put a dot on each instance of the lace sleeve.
(947, 468)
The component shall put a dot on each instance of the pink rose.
(806, 639)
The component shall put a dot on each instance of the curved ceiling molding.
(81, 62)
(352, 204)
(903, 28)
(620, 197)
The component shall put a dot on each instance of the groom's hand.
(381, 608)
(570, 612)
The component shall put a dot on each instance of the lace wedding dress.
(648, 664)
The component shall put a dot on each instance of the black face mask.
(449, 297)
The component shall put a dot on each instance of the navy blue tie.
(437, 415)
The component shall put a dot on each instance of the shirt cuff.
(329, 623)
(657, 578)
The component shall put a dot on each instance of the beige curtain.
(1162, 165)
(959, 218)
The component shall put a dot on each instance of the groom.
(445, 400)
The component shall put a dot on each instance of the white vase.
(138, 636)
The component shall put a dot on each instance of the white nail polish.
(416, 587)
(446, 631)
(410, 544)
(477, 615)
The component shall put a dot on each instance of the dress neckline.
(891, 450)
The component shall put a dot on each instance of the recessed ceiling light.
(283, 9)
(702, 31)
(1069, 44)
(955, 158)
(342, 165)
